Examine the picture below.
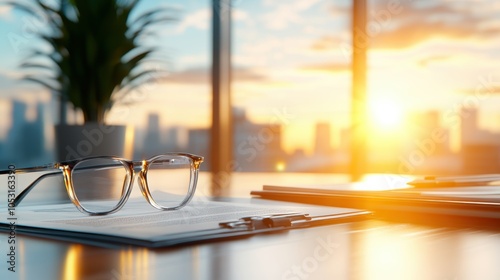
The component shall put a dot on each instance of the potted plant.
(95, 59)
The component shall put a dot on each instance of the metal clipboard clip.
(266, 221)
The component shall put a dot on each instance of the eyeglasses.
(102, 185)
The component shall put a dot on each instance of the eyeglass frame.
(142, 166)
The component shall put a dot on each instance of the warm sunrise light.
(385, 114)
(280, 166)
(72, 261)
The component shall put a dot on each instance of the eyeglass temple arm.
(24, 192)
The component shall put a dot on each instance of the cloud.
(482, 90)
(409, 35)
(5, 11)
(202, 76)
(247, 75)
(12, 86)
(10, 82)
(424, 62)
(409, 24)
(413, 25)
(328, 67)
(5, 81)
(337, 10)
(189, 76)
(239, 15)
(287, 13)
(10, 74)
(199, 19)
(326, 43)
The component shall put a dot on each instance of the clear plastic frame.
(102, 185)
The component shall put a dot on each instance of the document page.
(141, 224)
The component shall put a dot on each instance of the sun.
(385, 114)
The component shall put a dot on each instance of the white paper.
(140, 221)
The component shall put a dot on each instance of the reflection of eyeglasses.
(102, 185)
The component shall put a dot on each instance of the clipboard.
(436, 206)
(137, 224)
(456, 181)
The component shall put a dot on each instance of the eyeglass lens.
(99, 183)
(169, 180)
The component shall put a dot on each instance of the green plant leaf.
(95, 52)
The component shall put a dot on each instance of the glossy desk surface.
(370, 249)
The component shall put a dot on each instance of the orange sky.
(294, 57)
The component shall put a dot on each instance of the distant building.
(198, 143)
(422, 146)
(471, 133)
(35, 131)
(2, 150)
(425, 127)
(152, 144)
(155, 139)
(174, 140)
(322, 140)
(257, 147)
(480, 149)
(15, 140)
(25, 141)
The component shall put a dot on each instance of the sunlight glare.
(385, 114)
(280, 166)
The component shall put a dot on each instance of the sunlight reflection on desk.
(369, 249)
(364, 250)
(128, 263)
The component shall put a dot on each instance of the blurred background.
(432, 69)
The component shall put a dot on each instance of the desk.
(370, 249)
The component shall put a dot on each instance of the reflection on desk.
(361, 250)
(369, 249)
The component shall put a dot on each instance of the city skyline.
(26, 138)
(30, 113)
(423, 147)
(293, 58)
(292, 66)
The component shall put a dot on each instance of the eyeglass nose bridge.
(142, 172)
(68, 183)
